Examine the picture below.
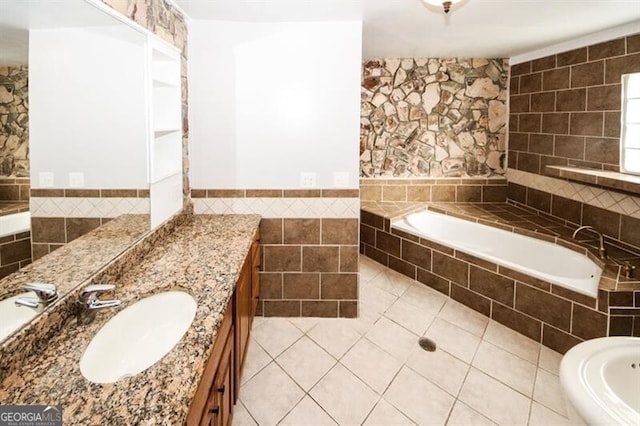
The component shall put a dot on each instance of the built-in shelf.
(606, 179)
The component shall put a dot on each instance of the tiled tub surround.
(309, 242)
(203, 257)
(491, 190)
(59, 216)
(15, 252)
(554, 316)
(14, 121)
(429, 117)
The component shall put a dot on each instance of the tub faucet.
(88, 302)
(601, 250)
(45, 294)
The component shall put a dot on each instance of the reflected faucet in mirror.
(45, 294)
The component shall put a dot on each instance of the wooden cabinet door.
(255, 277)
(243, 303)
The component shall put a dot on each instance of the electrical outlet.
(76, 180)
(340, 179)
(45, 179)
(307, 180)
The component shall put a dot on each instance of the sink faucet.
(601, 250)
(45, 294)
(88, 302)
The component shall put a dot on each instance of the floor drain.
(427, 344)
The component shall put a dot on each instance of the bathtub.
(15, 223)
(540, 259)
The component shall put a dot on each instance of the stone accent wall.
(14, 121)
(565, 111)
(309, 242)
(433, 117)
(59, 216)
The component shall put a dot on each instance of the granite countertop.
(202, 257)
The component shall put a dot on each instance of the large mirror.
(72, 129)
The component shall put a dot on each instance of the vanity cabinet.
(220, 382)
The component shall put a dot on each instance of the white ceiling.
(407, 28)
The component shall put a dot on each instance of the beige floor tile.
(385, 414)
(512, 341)
(367, 317)
(376, 298)
(542, 416)
(548, 392)
(392, 282)
(369, 269)
(305, 324)
(463, 415)
(307, 412)
(550, 360)
(410, 316)
(393, 338)
(241, 416)
(439, 367)
(276, 335)
(270, 395)
(371, 364)
(305, 362)
(453, 339)
(424, 298)
(494, 400)
(419, 399)
(511, 370)
(345, 397)
(334, 336)
(464, 317)
(255, 361)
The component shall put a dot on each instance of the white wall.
(87, 106)
(271, 100)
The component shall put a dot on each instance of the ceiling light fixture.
(446, 5)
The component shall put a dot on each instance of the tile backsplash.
(428, 117)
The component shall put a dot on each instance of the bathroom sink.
(138, 337)
(12, 317)
(601, 381)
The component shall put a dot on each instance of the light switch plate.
(45, 179)
(76, 180)
(307, 180)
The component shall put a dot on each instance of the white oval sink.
(138, 337)
(12, 317)
(601, 380)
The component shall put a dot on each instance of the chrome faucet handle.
(89, 293)
(628, 269)
(45, 292)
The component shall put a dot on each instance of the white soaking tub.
(540, 259)
(15, 223)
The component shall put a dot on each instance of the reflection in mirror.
(73, 129)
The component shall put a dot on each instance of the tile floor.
(371, 371)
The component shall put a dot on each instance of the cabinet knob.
(221, 389)
(215, 410)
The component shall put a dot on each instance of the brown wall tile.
(301, 231)
(602, 98)
(271, 231)
(377, 255)
(492, 285)
(39, 250)
(603, 220)
(539, 200)
(48, 230)
(416, 254)
(77, 227)
(612, 124)
(523, 68)
(348, 309)
(517, 192)
(471, 299)
(282, 258)
(388, 243)
(301, 286)
(367, 235)
(630, 230)
(587, 123)
(494, 194)
(519, 103)
(281, 308)
(16, 251)
(394, 193)
(622, 65)
(270, 285)
(349, 258)
(557, 340)
(556, 123)
(531, 83)
(588, 323)
(469, 194)
(543, 306)
(589, 74)
(569, 146)
(543, 102)
(607, 49)
(433, 281)
(529, 162)
(339, 286)
(541, 144)
(570, 100)
(602, 150)
(515, 320)
(620, 326)
(339, 231)
(450, 268)
(567, 209)
(320, 259)
(530, 122)
(403, 267)
(445, 193)
(371, 219)
(419, 193)
(572, 57)
(544, 63)
(320, 308)
(556, 79)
